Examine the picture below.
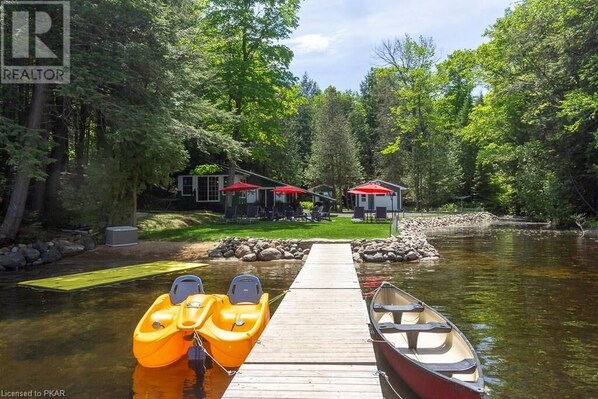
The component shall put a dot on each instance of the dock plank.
(317, 344)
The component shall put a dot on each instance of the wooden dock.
(316, 345)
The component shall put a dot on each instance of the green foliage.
(307, 205)
(206, 169)
(334, 157)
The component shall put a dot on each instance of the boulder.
(377, 258)
(68, 248)
(250, 257)
(269, 254)
(288, 255)
(41, 246)
(411, 255)
(30, 254)
(215, 253)
(229, 254)
(242, 251)
(51, 255)
(12, 260)
(87, 242)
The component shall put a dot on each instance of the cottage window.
(187, 185)
(207, 188)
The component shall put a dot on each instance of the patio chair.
(380, 214)
(358, 214)
(315, 215)
(326, 213)
(230, 214)
(276, 213)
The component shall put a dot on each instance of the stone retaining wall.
(410, 245)
(23, 255)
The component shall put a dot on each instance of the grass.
(195, 226)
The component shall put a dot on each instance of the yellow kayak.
(228, 325)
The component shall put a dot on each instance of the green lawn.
(165, 227)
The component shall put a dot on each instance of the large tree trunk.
(58, 154)
(16, 207)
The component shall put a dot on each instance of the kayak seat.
(184, 286)
(397, 310)
(245, 288)
(413, 330)
(463, 366)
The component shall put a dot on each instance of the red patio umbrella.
(288, 190)
(240, 186)
(370, 188)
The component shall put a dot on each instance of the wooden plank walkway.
(316, 345)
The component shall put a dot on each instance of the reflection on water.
(82, 342)
(526, 299)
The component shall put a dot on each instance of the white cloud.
(314, 43)
(335, 40)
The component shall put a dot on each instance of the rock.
(30, 254)
(288, 255)
(68, 248)
(14, 249)
(229, 254)
(215, 253)
(41, 246)
(37, 262)
(13, 260)
(51, 255)
(2, 268)
(377, 258)
(391, 256)
(356, 257)
(298, 255)
(4, 250)
(87, 242)
(269, 254)
(242, 251)
(251, 257)
(411, 255)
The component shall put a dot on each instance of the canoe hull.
(426, 384)
(422, 346)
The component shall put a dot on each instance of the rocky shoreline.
(410, 245)
(19, 256)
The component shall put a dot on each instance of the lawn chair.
(380, 214)
(358, 214)
(230, 214)
(326, 213)
(316, 214)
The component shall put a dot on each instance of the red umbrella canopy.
(370, 188)
(288, 190)
(240, 186)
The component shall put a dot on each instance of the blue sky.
(335, 40)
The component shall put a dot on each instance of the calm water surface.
(526, 299)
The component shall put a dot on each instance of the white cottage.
(392, 201)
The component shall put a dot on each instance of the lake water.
(526, 299)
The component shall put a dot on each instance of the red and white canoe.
(424, 348)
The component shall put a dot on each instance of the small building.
(392, 202)
(203, 191)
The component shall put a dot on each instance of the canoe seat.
(397, 310)
(464, 366)
(413, 330)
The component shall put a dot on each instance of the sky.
(336, 39)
